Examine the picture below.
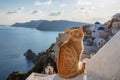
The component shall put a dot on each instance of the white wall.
(105, 65)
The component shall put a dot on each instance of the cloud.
(83, 2)
(82, 8)
(20, 9)
(55, 13)
(63, 5)
(100, 19)
(11, 12)
(39, 3)
(36, 12)
(91, 8)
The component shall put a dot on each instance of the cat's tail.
(82, 68)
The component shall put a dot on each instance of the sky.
(90, 11)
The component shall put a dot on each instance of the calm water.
(14, 42)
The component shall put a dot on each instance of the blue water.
(14, 42)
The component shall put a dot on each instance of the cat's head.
(76, 34)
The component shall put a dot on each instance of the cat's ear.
(81, 29)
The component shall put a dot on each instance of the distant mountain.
(2, 25)
(31, 24)
(45, 25)
(58, 25)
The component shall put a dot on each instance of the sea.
(15, 41)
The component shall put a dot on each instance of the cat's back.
(65, 48)
(65, 54)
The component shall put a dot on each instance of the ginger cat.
(70, 52)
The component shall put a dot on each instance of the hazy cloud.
(83, 2)
(82, 8)
(20, 9)
(39, 3)
(100, 19)
(55, 13)
(36, 12)
(11, 12)
(63, 5)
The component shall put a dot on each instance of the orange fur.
(70, 53)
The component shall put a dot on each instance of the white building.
(97, 30)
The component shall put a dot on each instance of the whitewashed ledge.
(36, 76)
(104, 65)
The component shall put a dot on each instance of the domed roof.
(101, 28)
(97, 22)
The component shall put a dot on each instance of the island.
(45, 25)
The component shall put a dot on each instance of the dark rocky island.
(58, 25)
(45, 25)
(30, 55)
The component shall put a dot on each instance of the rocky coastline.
(40, 61)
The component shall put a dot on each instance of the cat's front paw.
(84, 65)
